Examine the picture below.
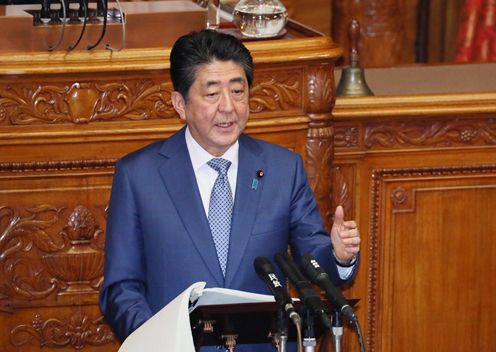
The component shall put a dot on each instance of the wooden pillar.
(319, 147)
(383, 26)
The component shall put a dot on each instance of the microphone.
(45, 11)
(265, 271)
(308, 296)
(319, 277)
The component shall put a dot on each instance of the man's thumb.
(339, 215)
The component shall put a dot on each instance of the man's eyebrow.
(237, 80)
(232, 80)
(212, 83)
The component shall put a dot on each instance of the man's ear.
(179, 104)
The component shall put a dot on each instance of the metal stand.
(280, 339)
(283, 343)
(309, 344)
(337, 331)
(309, 341)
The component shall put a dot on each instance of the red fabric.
(477, 32)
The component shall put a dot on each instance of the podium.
(244, 323)
(202, 316)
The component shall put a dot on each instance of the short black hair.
(203, 47)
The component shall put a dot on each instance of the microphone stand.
(45, 11)
(337, 330)
(309, 341)
(281, 338)
(282, 322)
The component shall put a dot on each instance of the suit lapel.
(179, 179)
(246, 203)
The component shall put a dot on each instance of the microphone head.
(320, 277)
(312, 268)
(285, 262)
(262, 266)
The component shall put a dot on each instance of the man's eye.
(238, 91)
(211, 95)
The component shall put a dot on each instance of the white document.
(216, 295)
(170, 330)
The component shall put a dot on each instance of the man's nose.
(226, 103)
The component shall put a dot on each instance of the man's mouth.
(224, 124)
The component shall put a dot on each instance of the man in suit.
(160, 234)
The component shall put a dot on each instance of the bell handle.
(353, 37)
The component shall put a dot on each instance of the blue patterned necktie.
(220, 210)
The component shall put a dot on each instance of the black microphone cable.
(62, 31)
(104, 5)
(84, 6)
(360, 337)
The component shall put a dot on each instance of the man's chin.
(228, 135)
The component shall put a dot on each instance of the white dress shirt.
(205, 175)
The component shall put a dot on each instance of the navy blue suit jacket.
(158, 240)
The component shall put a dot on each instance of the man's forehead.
(218, 72)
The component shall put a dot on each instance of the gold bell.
(352, 82)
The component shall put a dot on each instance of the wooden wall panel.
(434, 229)
(313, 13)
(419, 172)
(52, 221)
(74, 328)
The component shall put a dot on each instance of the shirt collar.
(199, 156)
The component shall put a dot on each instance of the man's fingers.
(352, 250)
(349, 233)
(350, 224)
(351, 241)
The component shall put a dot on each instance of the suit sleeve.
(122, 298)
(308, 234)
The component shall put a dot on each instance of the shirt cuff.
(344, 264)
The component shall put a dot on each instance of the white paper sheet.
(170, 330)
(216, 295)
